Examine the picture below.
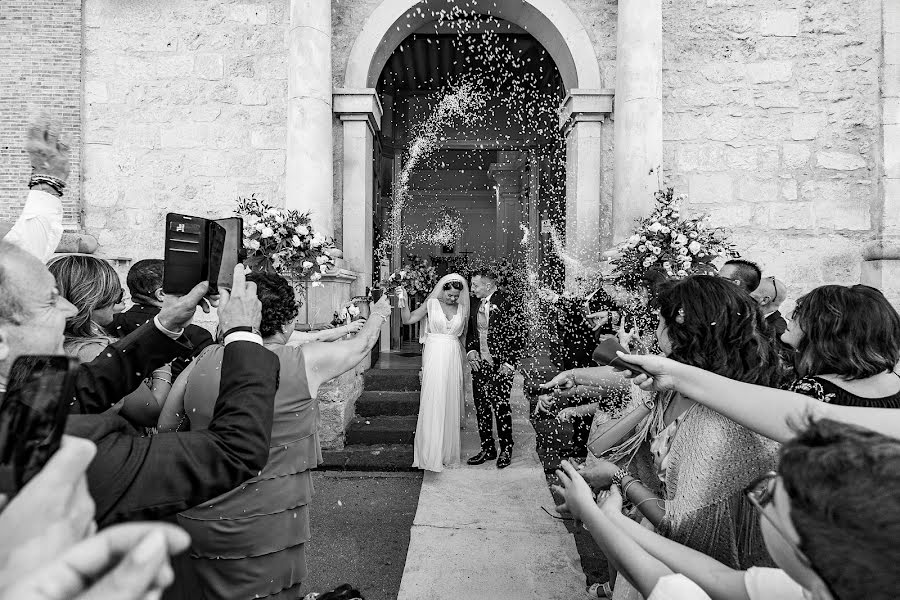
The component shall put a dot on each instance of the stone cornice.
(358, 105)
(585, 105)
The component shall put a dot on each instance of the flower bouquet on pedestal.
(284, 242)
(665, 245)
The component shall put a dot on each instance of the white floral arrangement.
(670, 243)
(284, 242)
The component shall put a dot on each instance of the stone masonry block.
(795, 156)
(789, 189)
(839, 204)
(700, 157)
(753, 189)
(807, 126)
(209, 66)
(892, 48)
(95, 92)
(712, 188)
(720, 72)
(271, 138)
(777, 98)
(892, 151)
(769, 71)
(790, 215)
(890, 110)
(840, 161)
(779, 23)
(891, 85)
(891, 15)
(891, 214)
(769, 159)
(745, 158)
(252, 14)
(185, 135)
(731, 216)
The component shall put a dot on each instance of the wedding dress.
(442, 398)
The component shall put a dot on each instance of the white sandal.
(600, 590)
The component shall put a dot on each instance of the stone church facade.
(779, 118)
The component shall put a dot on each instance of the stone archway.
(584, 111)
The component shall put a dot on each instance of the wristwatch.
(618, 476)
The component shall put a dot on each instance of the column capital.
(358, 105)
(585, 105)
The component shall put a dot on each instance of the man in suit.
(770, 295)
(134, 477)
(145, 281)
(494, 343)
(742, 273)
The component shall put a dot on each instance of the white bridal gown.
(437, 432)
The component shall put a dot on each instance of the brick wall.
(40, 72)
(185, 110)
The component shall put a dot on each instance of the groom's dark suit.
(498, 322)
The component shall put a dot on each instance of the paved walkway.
(480, 532)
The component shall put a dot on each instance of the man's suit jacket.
(135, 478)
(777, 324)
(126, 322)
(506, 330)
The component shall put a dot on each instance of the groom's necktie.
(483, 326)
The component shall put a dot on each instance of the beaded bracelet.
(56, 183)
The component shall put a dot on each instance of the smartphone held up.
(33, 416)
(198, 250)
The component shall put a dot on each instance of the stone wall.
(185, 110)
(771, 124)
(40, 72)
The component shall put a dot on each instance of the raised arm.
(175, 471)
(300, 338)
(172, 417)
(636, 564)
(415, 316)
(771, 412)
(718, 580)
(326, 361)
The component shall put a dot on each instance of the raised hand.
(563, 381)
(355, 326)
(178, 311)
(48, 155)
(661, 368)
(611, 502)
(545, 404)
(382, 308)
(52, 512)
(577, 496)
(124, 562)
(599, 473)
(241, 307)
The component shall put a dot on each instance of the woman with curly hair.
(847, 344)
(700, 461)
(249, 542)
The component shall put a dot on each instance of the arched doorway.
(585, 108)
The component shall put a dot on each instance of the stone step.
(381, 457)
(392, 380)
(369, 431)
(373, 403)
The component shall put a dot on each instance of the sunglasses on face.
(761, 493)
(456, 285)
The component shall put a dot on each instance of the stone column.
(881, 258)
(360, 114)
(309, 162)
(637, 154)
(582, 117)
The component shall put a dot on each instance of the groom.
(494, 343)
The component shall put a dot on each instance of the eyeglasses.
(456, 285)
(761, 493)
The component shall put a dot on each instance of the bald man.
(770, 294)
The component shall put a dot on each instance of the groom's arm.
(472, 342)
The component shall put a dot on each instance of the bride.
(446, 314)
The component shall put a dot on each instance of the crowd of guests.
(175, 438)
(768, 464)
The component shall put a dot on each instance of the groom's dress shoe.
(504, 459)
(482, 457)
